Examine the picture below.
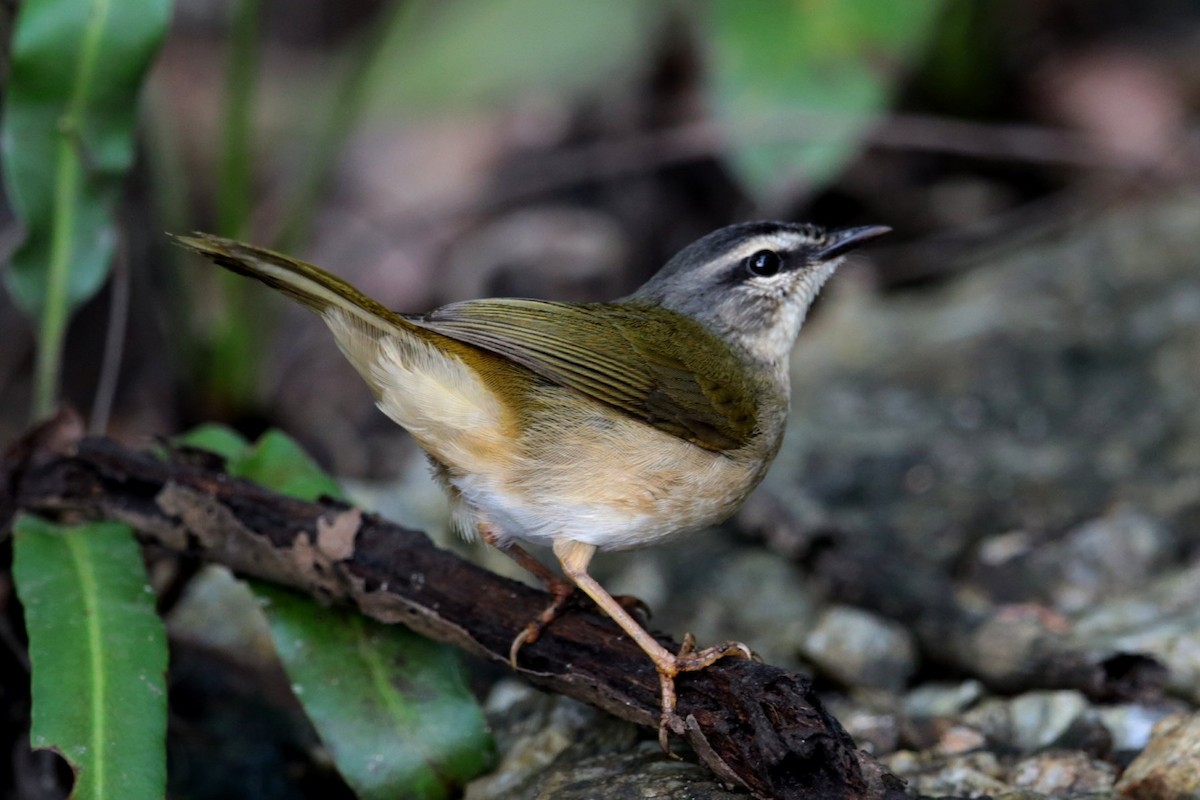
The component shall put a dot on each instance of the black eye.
(764, 263)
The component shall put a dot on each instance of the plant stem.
(235, 354)
(54, 311)
(66, 190)
(114, 343)
(233, 191)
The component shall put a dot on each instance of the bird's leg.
(559, 589)
(574, 558)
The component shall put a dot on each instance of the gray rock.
(760, 599)
(1107, 555)
(642, 774)
(861, 649)
(871, 717)
(554, 748)
(972, 775)
(1061, 775)
(534, 732)
(1028, 722)
(1169, 767)
(941, 700)
(1130, 724)
(1162, 620)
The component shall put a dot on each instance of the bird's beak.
(838, 243)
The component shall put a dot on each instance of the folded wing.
(660, 367)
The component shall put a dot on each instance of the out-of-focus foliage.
(792, 83)
(795, 83)
(98, 654)
(66, 143)
(463, 53)
(97, 649)
(235, 340)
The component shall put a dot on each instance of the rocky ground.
(982, 536)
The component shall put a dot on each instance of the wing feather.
(658, 366)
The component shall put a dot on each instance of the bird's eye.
(764, 263)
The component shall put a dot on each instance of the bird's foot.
(689, 659)
(561, 592)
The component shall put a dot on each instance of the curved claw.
(523, 638)
(562, 593)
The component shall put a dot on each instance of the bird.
(590, 427)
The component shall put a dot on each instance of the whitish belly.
(615, 484)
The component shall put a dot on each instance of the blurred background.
(435, 151)
(994, 421)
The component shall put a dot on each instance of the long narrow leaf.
(392, 707)
(66, 144)
(99, 656)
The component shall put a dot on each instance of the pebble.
(1061, 773)
(1169, 767)
(861, 649)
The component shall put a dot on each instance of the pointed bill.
(838, 243)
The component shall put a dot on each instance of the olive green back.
(657, 365)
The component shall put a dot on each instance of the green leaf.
(796, 83)
(215, 438)
(66, 144)
(392, 707)
(277, 461)
(98, 654)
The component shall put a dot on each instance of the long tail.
(428, 383)
(304, 283)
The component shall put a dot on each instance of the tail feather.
(420, 378)
(304, 283)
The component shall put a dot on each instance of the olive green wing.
(658, 366)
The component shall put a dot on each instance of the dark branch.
(751, 723)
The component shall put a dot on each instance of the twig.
(644, 152)
(114, 342)
(749, 722)
(690, 141)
